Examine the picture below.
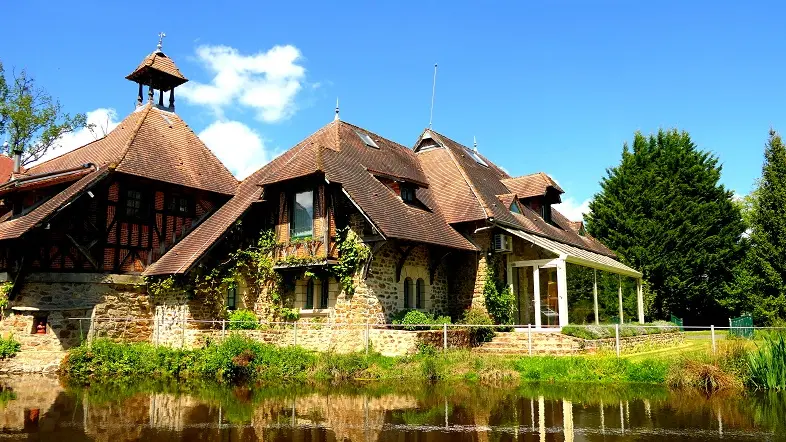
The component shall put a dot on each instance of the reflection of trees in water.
(376, 412)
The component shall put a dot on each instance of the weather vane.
(161, 36)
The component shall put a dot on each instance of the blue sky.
(554, 86)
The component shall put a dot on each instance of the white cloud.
(100, 122)
(572, 209)
(266, 82)
(238, 146)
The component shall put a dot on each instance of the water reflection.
(35, 408)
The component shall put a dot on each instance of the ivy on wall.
(499, 299)
(255, 264)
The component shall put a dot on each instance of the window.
(231, 297)
(302, 223)
(324, 298)
(39, 325)
(545, 212)
(135, 204)
(515, 208)
(310, 293)
(407, 194)
(420, 293)
(367, 140)
(180, 205)
(408, 293)
(476, 156)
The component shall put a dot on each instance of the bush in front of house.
(9, 347)
(242, 320)
(418, 320)
(477, 316)
(604, 331)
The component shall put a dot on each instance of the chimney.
(17, 161)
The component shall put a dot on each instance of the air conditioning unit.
(503, 243)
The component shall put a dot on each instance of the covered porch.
(556, 284)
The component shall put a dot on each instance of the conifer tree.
(663, 210)
(760, 283)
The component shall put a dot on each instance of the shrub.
(418, 320)
(704, 376)
(626, 330)
(499, 299)
(242, 320)
(9, 347)
(478, 335)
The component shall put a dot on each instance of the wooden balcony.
(305, 253)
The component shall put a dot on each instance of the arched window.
(310, 293)
(420, 293)
(408, 293)
(325, 294)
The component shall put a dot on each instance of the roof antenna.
(433, 91)
(475, 143)
(336, 118)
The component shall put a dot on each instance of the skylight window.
(367, 139)
(515, 208)
(477, 158)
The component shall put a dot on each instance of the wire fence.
(516, 338)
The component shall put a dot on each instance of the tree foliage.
(31, 118)
(663, 210)
(759, 287)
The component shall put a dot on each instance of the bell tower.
(157, 72)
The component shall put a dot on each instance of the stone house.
(88, 234)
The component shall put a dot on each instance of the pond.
(38, 408)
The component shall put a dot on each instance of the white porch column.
(595, 295)
(619, 292)
(536, 294)
(640, 300)
(562, 292)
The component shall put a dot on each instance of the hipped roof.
(342, 156)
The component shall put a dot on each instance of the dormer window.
(367, 139)
(545, 212)
(407, 194)
(515, 208)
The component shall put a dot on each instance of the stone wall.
(55, 298)
(555, 343)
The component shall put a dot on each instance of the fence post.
(712, 332)
(617, 338)
(444, 336)
(294, 336)
(223, 328)
(91, 334)
(183, 338)
(368, 337)
(529, 338)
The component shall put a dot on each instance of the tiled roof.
(6, 168)
(528, 186)
(15, 227)
(338, 152)
(470, 191)
(160, 62)
(155, 144)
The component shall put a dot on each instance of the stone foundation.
(555, 343)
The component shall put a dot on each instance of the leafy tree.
(664, 212)
(31, 118)
(759, 286)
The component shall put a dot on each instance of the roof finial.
(475, 143)
(161, 36)
(336, 118)
(433, 91)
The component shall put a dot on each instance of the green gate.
(678, 322)
(741, 327)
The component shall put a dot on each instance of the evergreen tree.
(664, 212)
(760, 284)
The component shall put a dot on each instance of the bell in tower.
(157, 71)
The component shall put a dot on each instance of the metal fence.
(529, 340)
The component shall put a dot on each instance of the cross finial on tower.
(336, 118)
(161, 36)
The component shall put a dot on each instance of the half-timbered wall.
(323, 240)
(125, 226)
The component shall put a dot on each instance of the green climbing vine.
(353, 255)
(500, 301)
(5, 290)
(256, 265)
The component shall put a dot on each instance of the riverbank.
(241, 361)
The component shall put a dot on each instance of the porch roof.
(576, 255)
